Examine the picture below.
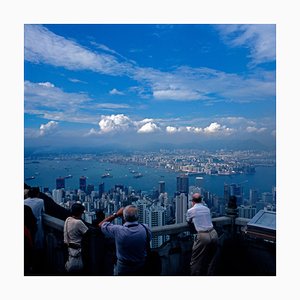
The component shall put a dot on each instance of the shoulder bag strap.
(148, 238)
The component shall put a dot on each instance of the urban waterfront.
(46, 171)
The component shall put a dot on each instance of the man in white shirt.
(206, 241)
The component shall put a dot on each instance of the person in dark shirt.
(30, 228)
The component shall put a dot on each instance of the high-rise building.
(101, 189)
(57, 195)
(246, 211)
(142, 206)
(156, 216)
(183, 184)
(199, 181)
(161, 187)
(90, 188)
(267, 197)
(60, 183)
(233, 190)
(253, 196)
(181, 206)
(82, 183)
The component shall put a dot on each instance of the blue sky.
(90, 85)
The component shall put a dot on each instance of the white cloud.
(181, 84)
(111, 106)
(217, 128)
(149, 128)
(144, 121)
(259, 38)
(43, 46)
(116, 92)
(49, 128)
(171, 129)
(46, 84)
(252, 129)
(45, 94)
(176, 94)
(115, 123)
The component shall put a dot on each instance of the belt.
(74, 246)
(208, 230)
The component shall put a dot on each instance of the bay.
(45, 173)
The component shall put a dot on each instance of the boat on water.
(138, 175)
(106, 175)
(30, 178)
(68, 176)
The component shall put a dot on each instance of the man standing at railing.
(206, 240)
(130, 238)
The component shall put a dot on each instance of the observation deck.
(239, 252)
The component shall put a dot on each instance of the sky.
(132, 84)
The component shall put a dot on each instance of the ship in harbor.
(106, 175)
(137, 175)
(30, 178)
(68, 176)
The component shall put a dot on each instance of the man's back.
(131, 240)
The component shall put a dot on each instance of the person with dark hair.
(130, 239)
(74, 229)
(206, 240)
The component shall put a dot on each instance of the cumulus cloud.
(116, 92)
(171, 129)
(148, 128)
(49, 128)
(115, 123)
(217, 128)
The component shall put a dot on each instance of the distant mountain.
(119, 148)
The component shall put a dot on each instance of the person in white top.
(206, 240)
(74, 229)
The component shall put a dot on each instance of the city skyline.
(119, 84)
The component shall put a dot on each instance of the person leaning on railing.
(206, 241)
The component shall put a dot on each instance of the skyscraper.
(181, 206)
(101, 189)
(253, 196)
(161, 187)
(82, 183)
(156, 216)
(90, 188)
(183, 184)
(199, 181)
(60, 183)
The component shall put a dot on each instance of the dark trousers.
(203, 253)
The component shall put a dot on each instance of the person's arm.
(110, 218)
(189, 217)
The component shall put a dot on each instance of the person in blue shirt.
(206, 240)
(130, 239)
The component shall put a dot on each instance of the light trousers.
(203, 253)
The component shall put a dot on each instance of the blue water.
(46, 172)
